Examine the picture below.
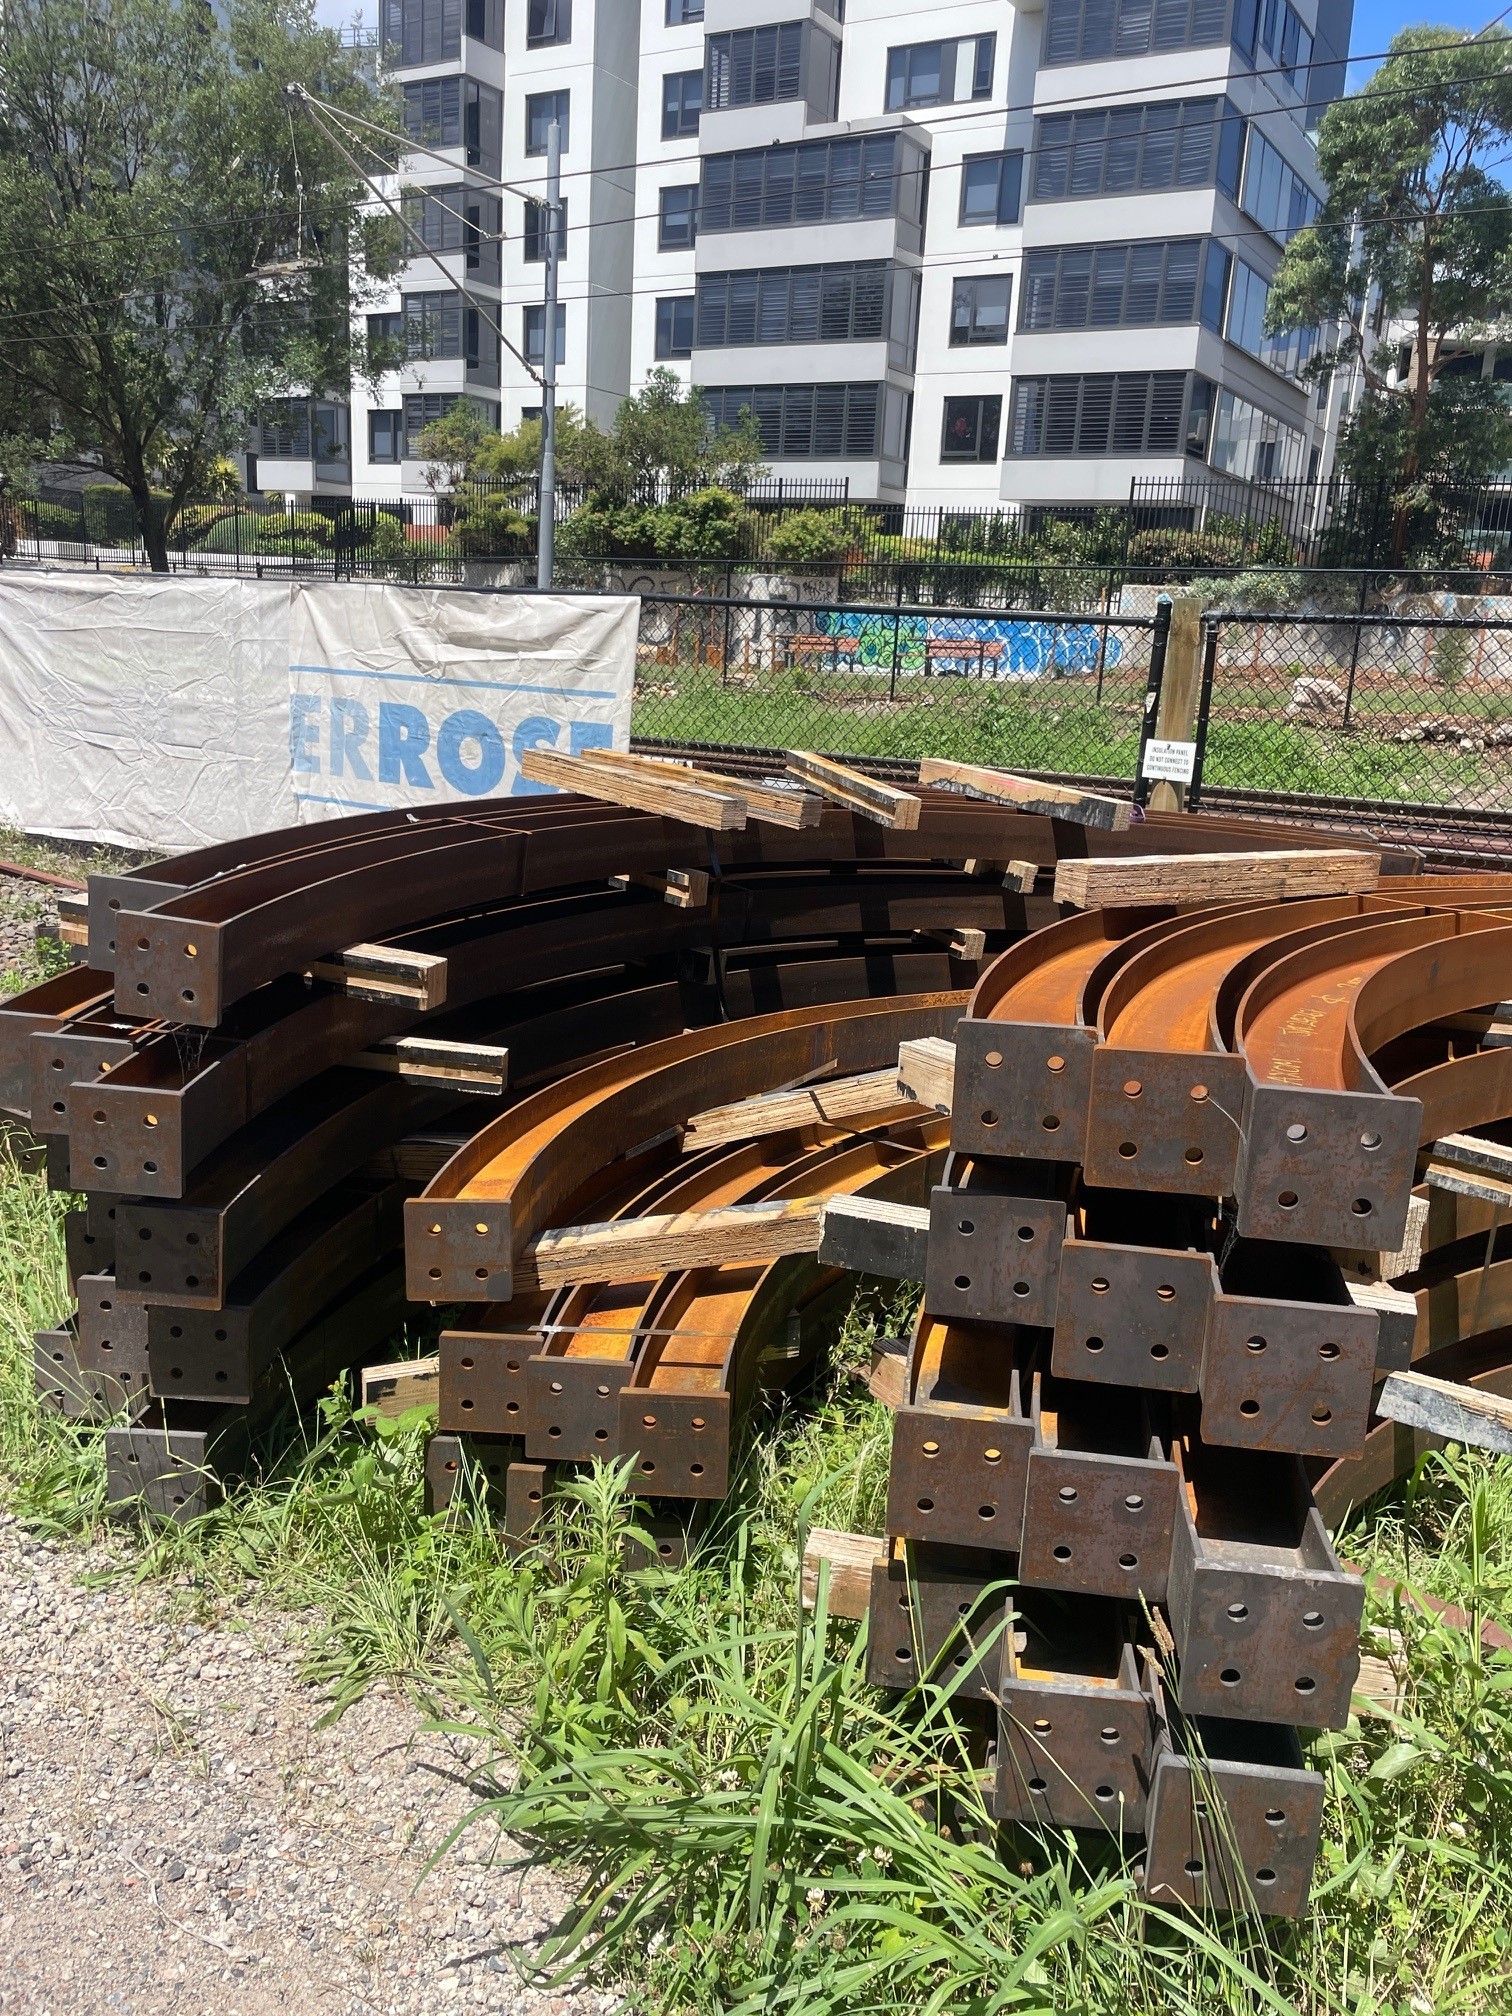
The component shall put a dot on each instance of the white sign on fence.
(1170, 762)
(162, 712)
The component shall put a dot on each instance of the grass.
(746, 1825)
(1063, 725)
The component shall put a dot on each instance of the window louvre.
(1088, 31)
(793, 304)
(1150, 283)
(1104, 413)
(754, 66)
(812, 183)
(1178, 144)
(804, 422)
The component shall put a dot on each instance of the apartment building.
(960, 254)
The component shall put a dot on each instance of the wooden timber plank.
(628, 1249)
(776, 804)
(1458, 1413)
(385, 973)
(926, 1071)
(899, 810)
(888, 1379)
(803, 1106)
(687, 803)
(851, 1558)
(682, 888)
(395, 1389)
(1029, 794)
(961, 941)
(1397, 1313)
(469, 1067)
(870, 1235)
(1217, 878)
(1019, 876)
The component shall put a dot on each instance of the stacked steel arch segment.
(593, 1079)
(266, 1048)
(1164, 1279)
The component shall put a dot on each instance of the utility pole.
(546, 530)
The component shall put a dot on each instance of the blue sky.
(1375, 21)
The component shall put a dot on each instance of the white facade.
(970, 254)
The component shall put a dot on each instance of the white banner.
(166, 713)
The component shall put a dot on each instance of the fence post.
(892, 684)
(1354, 655)
(1159, 639)
(1102, 634)
(1176, 712)
(1210, 629)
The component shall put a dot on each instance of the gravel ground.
(177, 1838)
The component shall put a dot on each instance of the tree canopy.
(180, 245)
(661, 442)
(1416, 230)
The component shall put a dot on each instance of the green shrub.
(305, 534)
(491, 527)
(814, 538)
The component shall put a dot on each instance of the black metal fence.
(1030, 690)
(1394, 708)
(807, 537)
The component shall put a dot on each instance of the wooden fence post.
(1180, 692)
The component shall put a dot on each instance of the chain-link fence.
(1029, 690)
(1395, 709)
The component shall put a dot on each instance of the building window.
(1253, 444)
(421, 31)
(456, 112)
(385, 437)
(535, 231)
(679, 217)
(420, 409)
(680, 13)
(674, 326)
(940, 73)
(385, 336)
(432, 326)
(458, 219)
(543, 109)
(284, 427)
(817, 182)
(1086, 31)
(991, 185)
(1144, 285)
(546, 22)
(1273, 193)
(1127, 413)
(979, 311)
(485, 22)
(793, 304)
(1273, 28)
(535, 336)
(1190, 144)
(1285, 352)
(682, 101)
(971, 429)
(754, 66)
(805, 422)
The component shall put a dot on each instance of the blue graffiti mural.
(992, 647)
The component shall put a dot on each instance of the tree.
(179, 241)
(661, 442)
(1416, 230)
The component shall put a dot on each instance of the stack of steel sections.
(240, 1235)
(1183, 1154)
